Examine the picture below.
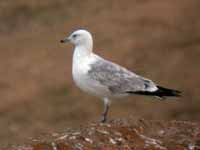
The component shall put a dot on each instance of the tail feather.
(160, 92)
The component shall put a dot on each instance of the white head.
(80, 38)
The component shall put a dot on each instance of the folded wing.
(118, 79)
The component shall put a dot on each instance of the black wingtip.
(168, 92)
(161, 92)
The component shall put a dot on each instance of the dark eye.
(75, 35)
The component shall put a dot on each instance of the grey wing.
(118, 79)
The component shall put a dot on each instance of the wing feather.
(118, 79)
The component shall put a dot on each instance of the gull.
(105, 79)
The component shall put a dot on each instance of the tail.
(160, 92)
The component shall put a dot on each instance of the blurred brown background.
(159, 39)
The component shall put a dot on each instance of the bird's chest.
(80, 75)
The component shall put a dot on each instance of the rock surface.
(123, 134)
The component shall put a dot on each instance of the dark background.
(159, 39)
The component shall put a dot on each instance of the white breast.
(79, 73)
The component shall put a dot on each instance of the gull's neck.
(83, 50)
(81, 56)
